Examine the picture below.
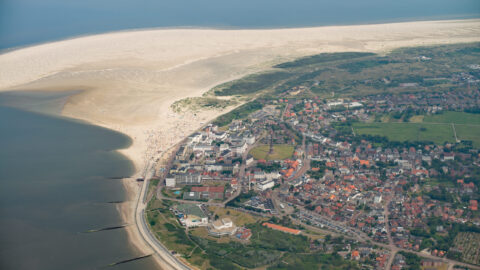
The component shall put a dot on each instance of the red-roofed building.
(473, 205)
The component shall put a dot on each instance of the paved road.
(168, 260)
(161, 197)
(391, 244)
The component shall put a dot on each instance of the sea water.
(24, 22)
(58, 178)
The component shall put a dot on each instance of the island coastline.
(146, 117)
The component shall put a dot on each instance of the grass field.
(239, 218)
(436, 128)
(467, 125)
(454, 117)
(437, 133)
(469, 133)
(280, 152)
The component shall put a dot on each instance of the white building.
(202, 147)
(195, 138)
(224, 147)
(241, 148)
(223, 223)
(250, 161)
(250, 139)
(265, 184)
(273, 175)
(170, 182)
(221, 227)
(334, 103)
(355, 104)
(214, 167)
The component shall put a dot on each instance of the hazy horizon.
(27, 22)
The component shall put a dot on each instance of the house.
(448, 156)
(356, 255)
(473, 205)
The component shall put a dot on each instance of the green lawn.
(280, 152)
(469, 133)
(454, 117)
(467, 125)
(438, 133)
(436, 128)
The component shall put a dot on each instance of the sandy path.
(130, 79)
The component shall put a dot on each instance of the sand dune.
(130, 79)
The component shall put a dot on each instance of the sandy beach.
(130, 79)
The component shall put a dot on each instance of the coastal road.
(168, 261)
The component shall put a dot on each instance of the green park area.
(438, 128)
(280, 152)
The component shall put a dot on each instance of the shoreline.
(438, 18)
(131, 78)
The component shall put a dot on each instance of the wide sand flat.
(130, 79)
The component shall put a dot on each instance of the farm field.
(280, 152)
